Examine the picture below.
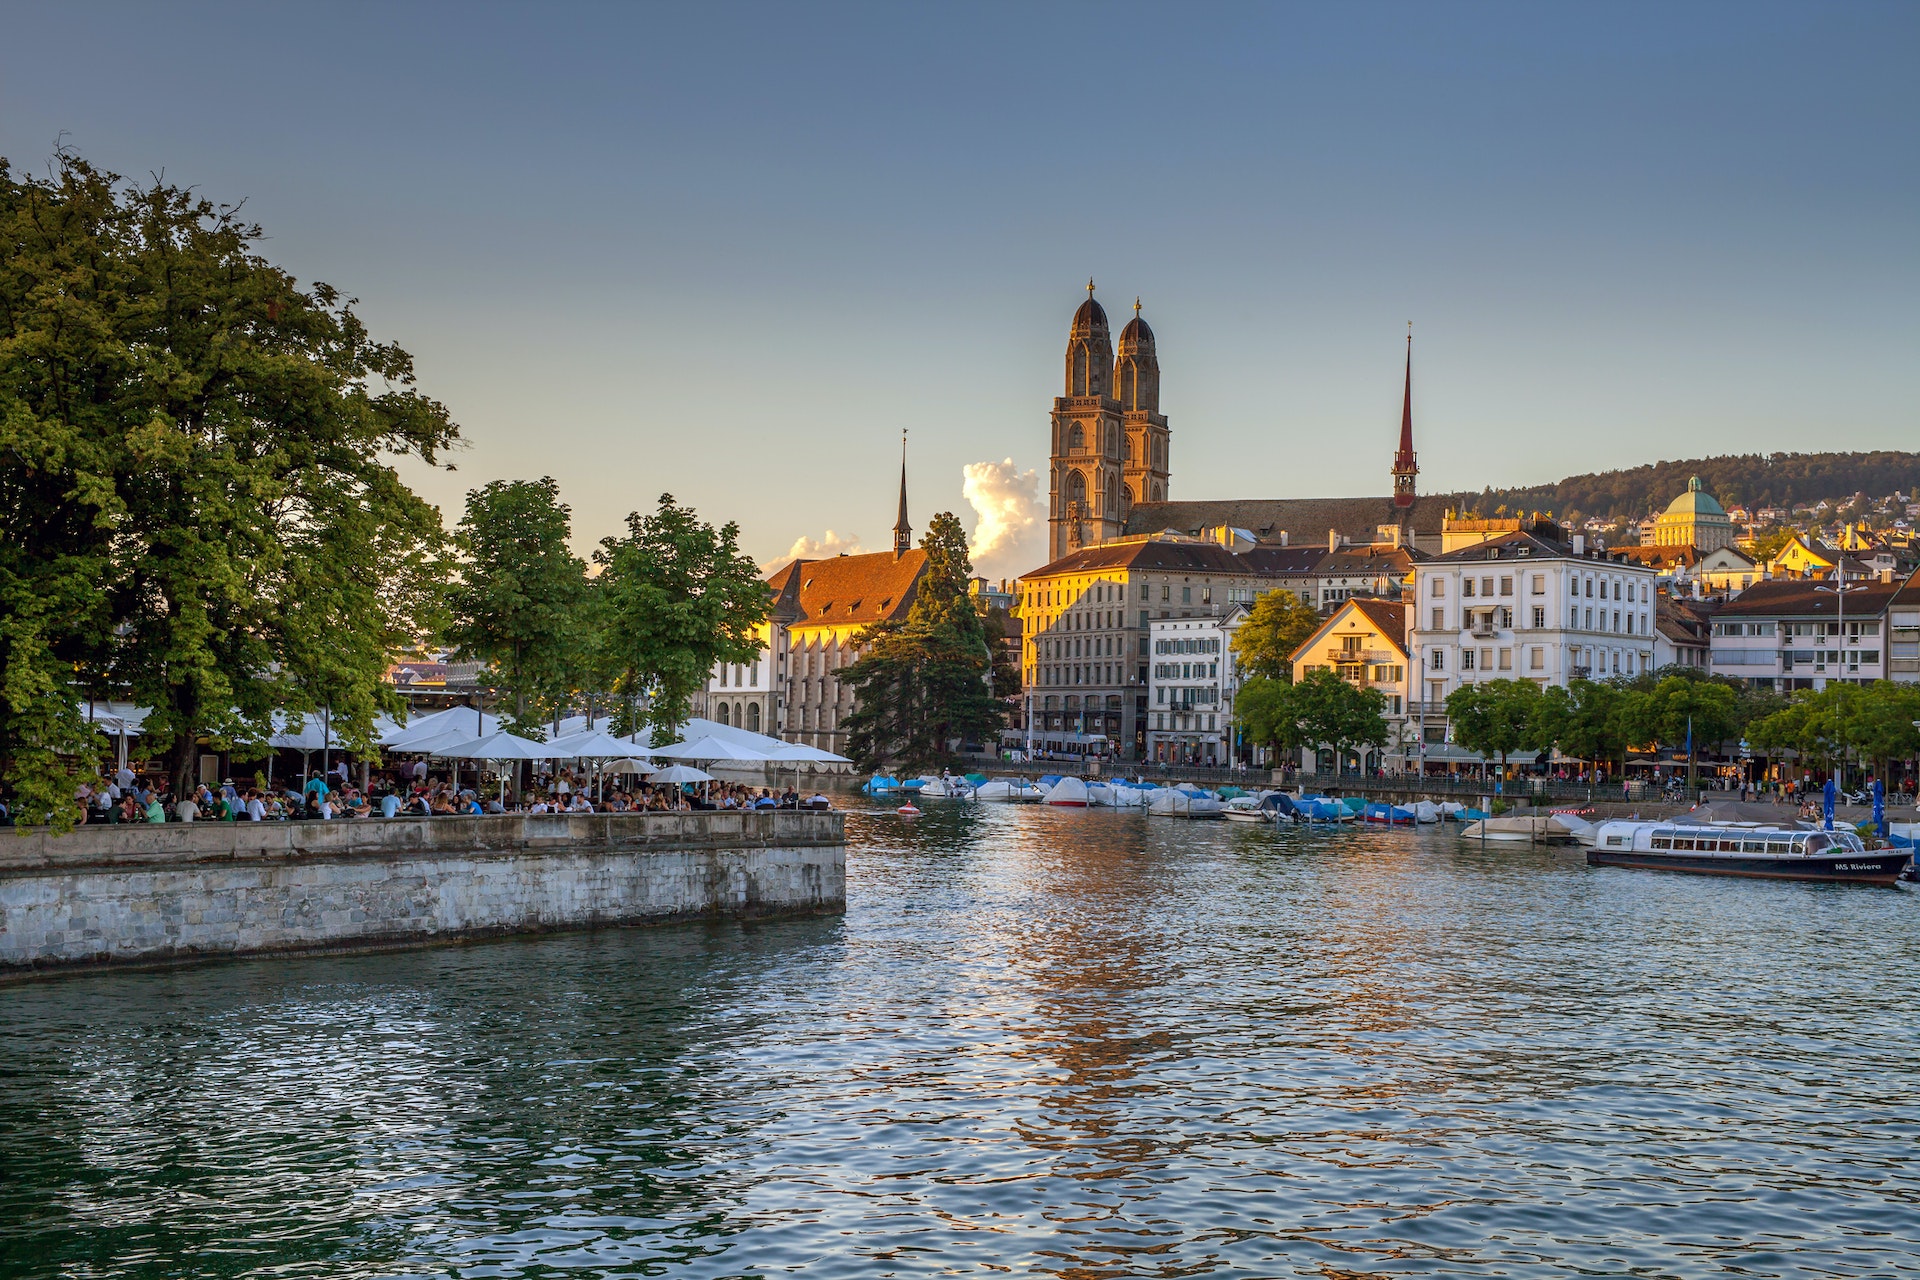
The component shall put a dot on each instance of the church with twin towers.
(1110, 468)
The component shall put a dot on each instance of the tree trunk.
(184, 763)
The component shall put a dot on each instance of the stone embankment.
(114, 895)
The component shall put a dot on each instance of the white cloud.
(1009, 532)
(805, 548)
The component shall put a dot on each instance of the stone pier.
(114, 895)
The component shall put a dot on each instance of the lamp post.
(1839, 593)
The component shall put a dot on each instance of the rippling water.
(1077, 1043)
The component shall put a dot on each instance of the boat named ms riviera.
(1777, 853)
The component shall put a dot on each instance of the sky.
(730, 252)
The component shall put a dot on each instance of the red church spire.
(1405, 468)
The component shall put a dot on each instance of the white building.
(1533, 606)
(1191, 677)
(1794, 634)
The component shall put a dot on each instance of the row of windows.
(1186, 671)
(1188, 695)
(1537, 584)
(1168, 721)
(1109, 592)
(1587, 659)
(1195, 644)
(1578, 619)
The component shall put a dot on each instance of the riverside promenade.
(143, 895)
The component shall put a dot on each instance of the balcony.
(1346, 657)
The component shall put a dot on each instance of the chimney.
(1333, 540)
(1579, 544)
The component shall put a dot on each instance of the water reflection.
(1080, 1044)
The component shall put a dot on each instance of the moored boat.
(1768, 853)
(1528, 830)
(1069, 793)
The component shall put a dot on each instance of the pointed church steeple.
(1405, 467)
(902, 531)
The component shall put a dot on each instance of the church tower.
(1144, 447)
(1084, 484)
(902, 531)
(1405, 467)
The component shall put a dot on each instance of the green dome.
(1695, 502)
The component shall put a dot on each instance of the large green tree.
(519, 605)
(201, 509)
(675, 597)
(1497, 717)
(1687, 713)
(926, 682)
(1276, 625)
(1321, 711)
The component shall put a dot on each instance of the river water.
(1078, 1043)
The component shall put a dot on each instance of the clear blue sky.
(730, 251)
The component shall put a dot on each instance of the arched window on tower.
(1076, 439)
(1112, 504)
(1126, 449)
(1077, 489)
(1126, 500)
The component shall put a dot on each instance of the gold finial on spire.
(1136, 306)
(1089, 286)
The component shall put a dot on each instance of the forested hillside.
(1775, 479)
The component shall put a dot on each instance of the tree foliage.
(519, 603)
(1497, 717)
(1276, 625)
(675, 597)
(196, 478)
(1872, 723)
(924, 683)
(1775, 479)
(1321, 711)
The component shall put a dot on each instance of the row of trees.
(1776, 479)
(639, 633)
(201, 511)
(1869, 724)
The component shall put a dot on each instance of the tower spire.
(1405, 467)
(902, 531)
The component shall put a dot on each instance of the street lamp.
(1839, 593)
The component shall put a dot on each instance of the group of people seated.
(126, 797)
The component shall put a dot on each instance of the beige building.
(1694, 519)
(1364, 642)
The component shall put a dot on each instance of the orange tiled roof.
(847, 591)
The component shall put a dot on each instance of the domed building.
(1694, 519)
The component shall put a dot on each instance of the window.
(1506, 659)
(1186, 595)
(1536, 658)
(1439, 588)
(1539, 617)
(1539, 584)
(1466, 659)
(1589, 588)
(1439, 618)
(1146, 592)
(1439, 662)
(1166, 592)
(1506, 586)
(1486, 586)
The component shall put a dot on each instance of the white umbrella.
(711, 749)
(499, 746)
(630, 766)
(594, 744)
(473, 723)
(797, 752)
(680, 773)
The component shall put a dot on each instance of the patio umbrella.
(676, 774)
(640, 767)
(595, 744)
(797, 754)
(500, 746)
(711, 749)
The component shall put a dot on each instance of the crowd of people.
(409, 790)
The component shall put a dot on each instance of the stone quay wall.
(108, 895)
